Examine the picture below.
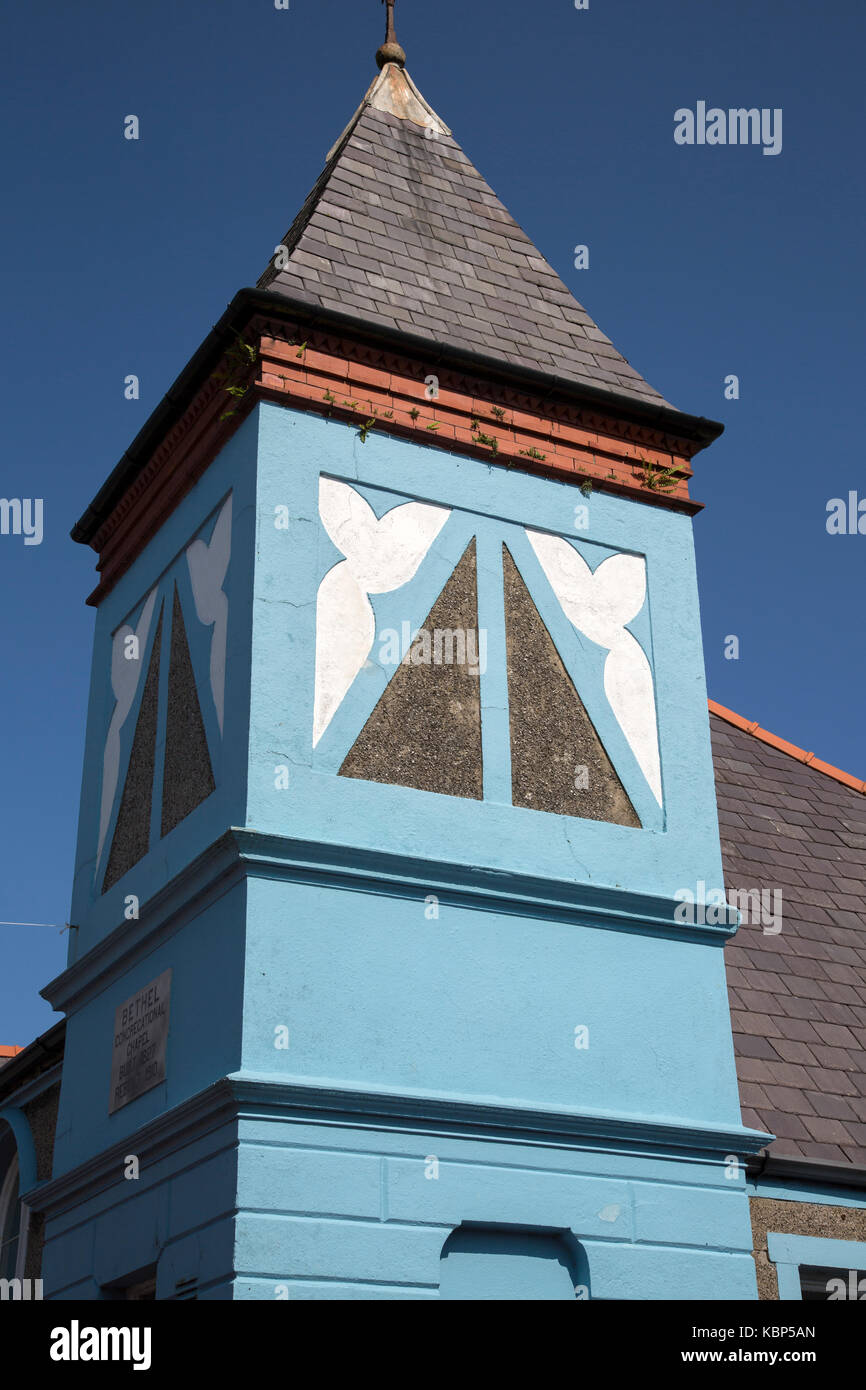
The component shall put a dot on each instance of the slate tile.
(798, 1029)
(831, 1081)
(791, 1051)
(827, 1131)
(833, 1153)
(754, 1095)
(759, 1001)
(749, 1045)
(789, 1099)
(754, 1069)
(751, 1119)
(787, 1148)
(805, 988)
(786, 1126)
(832, 1107)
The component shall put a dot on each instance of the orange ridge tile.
(753, 727)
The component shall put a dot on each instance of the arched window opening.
(10, 1208)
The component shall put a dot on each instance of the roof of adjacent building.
(797, 827)
(20, 1064)
(402, 231)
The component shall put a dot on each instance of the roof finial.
(390, 52)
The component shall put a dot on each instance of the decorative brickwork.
(354, 382)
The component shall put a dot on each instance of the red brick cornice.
(353, 382)
(363, 384)
(176, 465)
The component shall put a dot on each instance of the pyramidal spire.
(403, 233)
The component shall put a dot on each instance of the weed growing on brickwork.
(238, 360)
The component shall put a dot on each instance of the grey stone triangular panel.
(131, 838)
(552, 736)
(188, 775)
(425, 732)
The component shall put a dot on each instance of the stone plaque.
(140, 1035)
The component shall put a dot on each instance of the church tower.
(392, 975)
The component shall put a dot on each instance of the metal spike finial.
(390, 51)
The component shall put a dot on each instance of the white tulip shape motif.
(599, 605)
(125, 675)
(380, 555)
(208, 565)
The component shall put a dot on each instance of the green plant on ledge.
(657, 479)
(365, 429)
(488, 439)
(491, 442)
(239, 358)
(533, 453)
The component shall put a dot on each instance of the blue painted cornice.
(613, 909)
(242, 853)
(488, 1117)
(217, 1109)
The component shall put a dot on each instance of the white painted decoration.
(125, 676)
(208, 565)
(599, 605)
(380, 555)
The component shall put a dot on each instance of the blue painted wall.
(162, 563)
(203, 945)
(484, 1004)
(315, 919)
(294, 449)
(177, 1215)
(364, 1213)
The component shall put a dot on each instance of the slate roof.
(402, 231)
(798, 999)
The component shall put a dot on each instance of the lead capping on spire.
(393, 91)
(390, 51)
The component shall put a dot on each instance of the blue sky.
(118, 256)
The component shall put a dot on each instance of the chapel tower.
(397, 759)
